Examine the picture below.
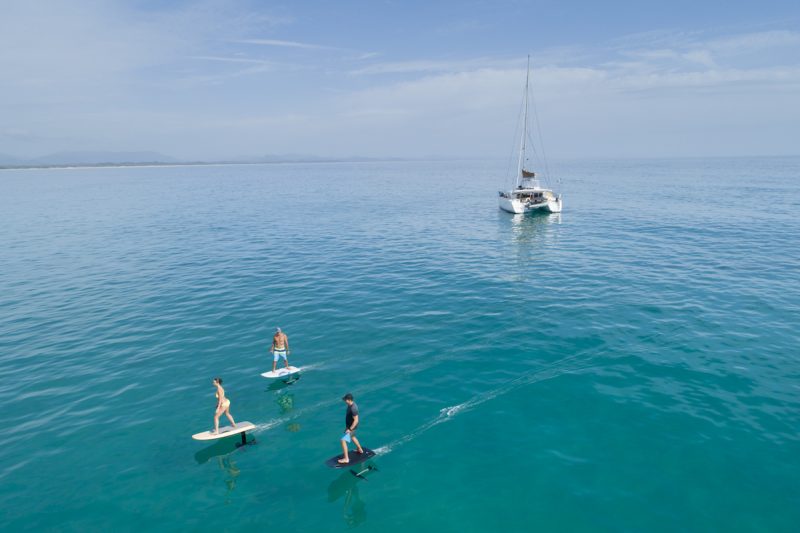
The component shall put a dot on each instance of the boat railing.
(530, 183)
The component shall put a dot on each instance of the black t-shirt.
(352, 412)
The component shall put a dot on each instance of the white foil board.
(225, 431)
(281, 372)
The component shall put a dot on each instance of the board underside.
(226, 431)
(355, 458)
(281, 372)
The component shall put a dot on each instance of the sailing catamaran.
(528, 194)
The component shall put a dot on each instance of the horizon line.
(360, 159)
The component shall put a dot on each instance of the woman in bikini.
(223, 406)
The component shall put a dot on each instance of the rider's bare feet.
(344, 461)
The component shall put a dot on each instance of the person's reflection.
(227, 464)
(286, 403)
(354, 511)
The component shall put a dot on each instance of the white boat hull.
(511, 205)
(518, 207)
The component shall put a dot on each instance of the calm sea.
(630, 365)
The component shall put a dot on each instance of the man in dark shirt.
(351, 423)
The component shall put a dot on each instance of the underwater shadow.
(354, 511)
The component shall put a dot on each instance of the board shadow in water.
(279, 384)
(222, 448)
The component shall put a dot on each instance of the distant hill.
(305, 158)
(282, 158)
(99, 158)
(91, 158)
(9, 160)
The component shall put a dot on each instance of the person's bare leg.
(286, 360)
(274, 363)
(358, 445)
(230, 417)
(216, 421)
(346, 458)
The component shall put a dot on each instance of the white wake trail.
(448, 413)
(541, 374)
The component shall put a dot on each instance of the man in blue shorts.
(350, 425)
(279, 348)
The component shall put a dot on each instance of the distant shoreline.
(157, 164)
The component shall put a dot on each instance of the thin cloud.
(755, 41)
(405, 67)
(665, 68)
(285, 44)
(702, 57)
(654, 39)
(367, 55)
(433, 66)
(665, 46)
(232, 60)
(216, 79)
(551, 56)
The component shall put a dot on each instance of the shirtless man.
(350, 423)
(279, 348)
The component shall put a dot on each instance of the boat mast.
(525, 124)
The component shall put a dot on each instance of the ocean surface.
(632, 364)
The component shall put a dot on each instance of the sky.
(219, 79)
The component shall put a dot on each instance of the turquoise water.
(629, 365)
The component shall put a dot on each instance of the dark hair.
(347, 396)
(218, 380)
